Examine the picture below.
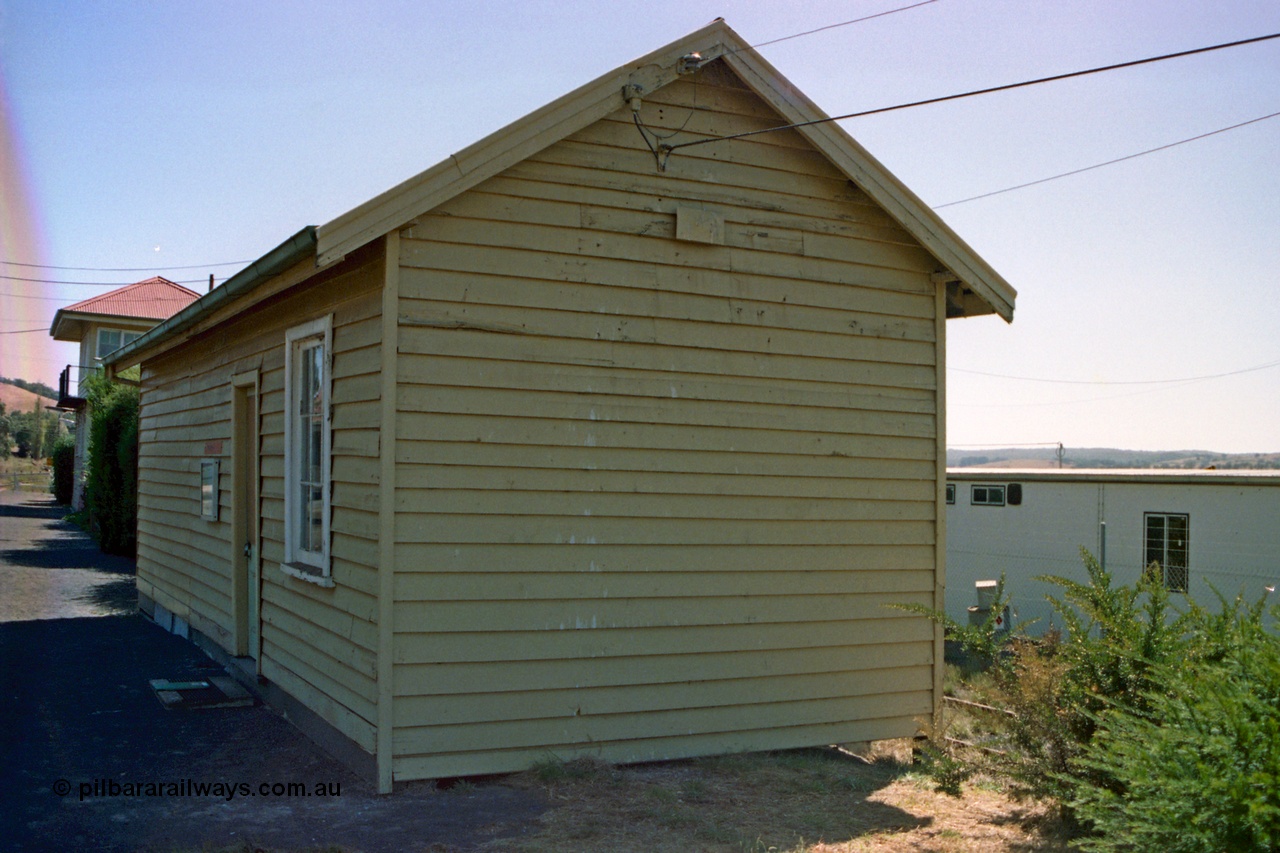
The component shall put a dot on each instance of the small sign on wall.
(695, 225)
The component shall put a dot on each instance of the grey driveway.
(89, 760)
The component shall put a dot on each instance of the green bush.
(111, 487)
(1151, 729)
(1055, 686)
(1199, 769)
(64, 469)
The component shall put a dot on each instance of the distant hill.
(17, 399)
(1108, 457)
(38, 387)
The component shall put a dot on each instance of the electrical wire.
(1107, 162)
(1024, 444)
(668, 149)
(28, 296)
(1253, 369)
(124, 269)
(91, 283)
(23, 331)
(842, 24)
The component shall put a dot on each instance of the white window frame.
(97, 343)
(209, 478)
(1181, 575)
(987, 499)
(313, 566)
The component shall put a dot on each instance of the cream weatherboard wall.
(653, 497)
(318, 644)
(627, 461)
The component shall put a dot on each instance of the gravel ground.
(91, 760)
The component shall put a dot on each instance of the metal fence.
(27, 481)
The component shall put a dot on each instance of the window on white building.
(986, 495)
(1166, 548)
(110, 340)
(306, 450)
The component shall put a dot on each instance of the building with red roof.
(102, 324)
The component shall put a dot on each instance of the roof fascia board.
(301, 245)
(1141, 476)
(64, 316)
(515, 142)
(873, 178)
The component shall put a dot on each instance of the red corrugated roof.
(154, 299)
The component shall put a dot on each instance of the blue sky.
(160, 135)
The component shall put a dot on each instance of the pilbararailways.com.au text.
(228, 791)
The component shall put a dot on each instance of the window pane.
(315, 520)
(308, 435)
(1155, 540)
(108, 341)
(1177, 540)
(304, 526)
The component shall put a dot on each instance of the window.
(951, 493)
(306, 450)
(1166, 541)
(987, 495)
(110, 340)
(209, 489)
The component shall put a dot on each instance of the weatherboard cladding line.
(631, 541)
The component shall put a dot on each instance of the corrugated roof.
(156, 298)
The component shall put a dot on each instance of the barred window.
(1167, 547)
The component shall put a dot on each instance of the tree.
(111, 489)
(6, 437)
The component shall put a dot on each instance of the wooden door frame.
(246, 467)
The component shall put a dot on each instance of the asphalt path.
(90, 760)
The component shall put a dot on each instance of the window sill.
(308, 574)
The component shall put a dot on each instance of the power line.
(123, 269)
(1024, 444)
(1107, 162)
(668, 149)
(26, 296)
(23, 331)
(843, 24)
(91, 283)
(1253, 369)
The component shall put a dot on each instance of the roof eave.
(298, 247)
(400, 205)
(861, 167)
(522, 138)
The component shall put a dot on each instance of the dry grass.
(804, 801)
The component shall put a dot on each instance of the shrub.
(1199, 768)
(64, 469)
(111, 487)
(1154, 730)
(1054, 687)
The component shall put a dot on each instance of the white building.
(1207, 530)
(100, 325)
